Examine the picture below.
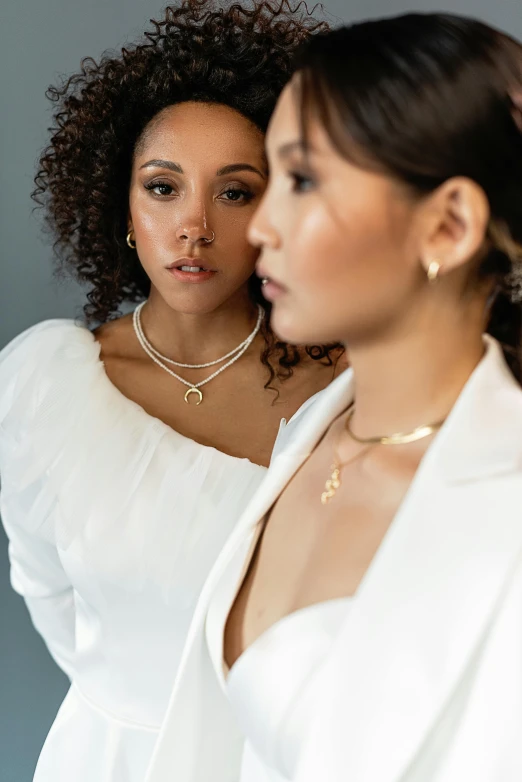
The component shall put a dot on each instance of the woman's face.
(338, 242)
(198, 174)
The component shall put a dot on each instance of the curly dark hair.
(199, 51)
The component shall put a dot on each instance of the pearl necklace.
(247, 341)
(193, 388)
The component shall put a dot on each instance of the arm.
(38, 576)
(36, 570)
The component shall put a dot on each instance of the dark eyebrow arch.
(235, 167)
(232, 169)
(163, 164)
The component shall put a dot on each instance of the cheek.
(152, 221)
(312, 266)
(340, 274)
(236, 255)
(230, 225)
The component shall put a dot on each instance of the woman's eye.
(237, 194)
(160, 188)
(301, 183)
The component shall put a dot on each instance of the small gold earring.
(130, 240)
(433, 271)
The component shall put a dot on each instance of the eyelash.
(151, 186)
(247, 195)
(299, 181)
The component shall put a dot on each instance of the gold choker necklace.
(399, 438)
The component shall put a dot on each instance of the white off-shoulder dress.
(114, 521)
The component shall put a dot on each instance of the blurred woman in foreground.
(365, 619)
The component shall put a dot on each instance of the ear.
(455, 222)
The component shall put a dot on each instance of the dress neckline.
(289, 619)
(157, 422)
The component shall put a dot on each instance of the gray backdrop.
(40, 39)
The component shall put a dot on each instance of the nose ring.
(209, 241)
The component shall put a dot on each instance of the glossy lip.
(195, 277)
(192, 277)
(189, 261)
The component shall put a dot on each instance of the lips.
(190, 270)
(267, 278)
(193, 265)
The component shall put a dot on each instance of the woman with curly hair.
(128, 451)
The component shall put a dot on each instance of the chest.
(237, 415)
(309, 552)
(428, 637)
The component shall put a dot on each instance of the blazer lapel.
(300, 436)
(429, 595)
(189, 749)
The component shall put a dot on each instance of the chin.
(189, 304)
(288, 328)
(299, 329)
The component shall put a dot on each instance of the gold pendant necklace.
(193, 388)
(399, 438)
(332, 484)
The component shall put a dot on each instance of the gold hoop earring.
(433, 271)
(130, 241)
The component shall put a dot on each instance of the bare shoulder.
(308, 378)
(116, 338)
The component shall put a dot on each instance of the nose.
(261, 230)
(195, 233)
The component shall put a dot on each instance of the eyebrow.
(163, 164)
(231, 169)
(294, 146)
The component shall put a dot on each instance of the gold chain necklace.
(399, 438)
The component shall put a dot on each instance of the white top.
(424, 680)
(114, 522)
(273, 687)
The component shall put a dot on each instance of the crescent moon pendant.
(194, 391)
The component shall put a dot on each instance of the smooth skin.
(347, 251)
(200, 169)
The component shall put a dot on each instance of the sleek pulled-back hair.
(424, 98)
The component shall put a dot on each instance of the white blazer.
(424, 683)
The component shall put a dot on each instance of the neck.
(403, 383)
(198, 337)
